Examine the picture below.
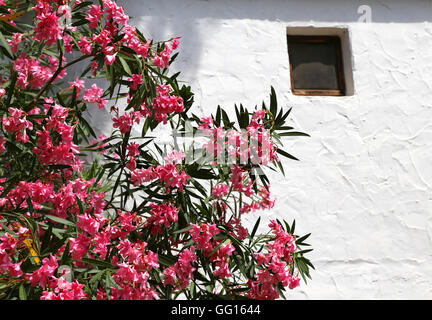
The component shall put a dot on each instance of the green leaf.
(82, 5)
(255, 228)
(65, 254)
(286, 154)
(80, 205)
(299, 241)
(219, 245)
(166, 260)
(60, 220)
(99, 263)
(8, 27)
(293, 133)
(273, 102)
(292, 230)
(22, 292)
(6, 46)
(125, 66)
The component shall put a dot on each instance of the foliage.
(118, 217)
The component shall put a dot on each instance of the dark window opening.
(316, 65)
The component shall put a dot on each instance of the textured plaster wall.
(363, 185)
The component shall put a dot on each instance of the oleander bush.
(84, 216)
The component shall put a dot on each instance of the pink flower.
(294, 282)
(17, 123)
(131, 165)
(127, 221)
(80, 246)
(135, 80)
(110, 55)
(115, 12)
(171, 177)
(258, 115)
(175, 44)
(202, 234)
(2, 144)
(134, 43)
(240, 181)
(158, 62)
(64, 10)
(161, 215)
(133, 149)
(78, 84)
(88, 224)
(15, 41)
(101, 241)
(48, 28)
(170, 276)
(165, 104)
(223, 271)
(95, 95)
(175, 157)
(36, 72)
(220, 190)
(64, 290)
(206, 123)
(86, 46)
(181, 272)
(44, 273)
(94, 16)
(261, 258)
(125, 122)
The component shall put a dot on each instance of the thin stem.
(53, 78)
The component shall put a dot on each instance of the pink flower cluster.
(132, 275)
(220, 190)
(54, 151)
(48, 27)
(94, 15)
(165, 104)
(98, 233)
(35, 73)
(275, 265)
(94, 95)
(161, 215)
(253, 145)
(62, 201)
(181, 273)
(263, 203)
(240, 181)
(17, 123)
(43, 275)
(135, 81)
(8, 246)
(64, 290)
(168, 175)
(113, 21)
(203, 235)
(15, 41)
(126, 121)
(56, 288)
(163, 59)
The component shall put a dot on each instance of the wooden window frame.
(339, 65)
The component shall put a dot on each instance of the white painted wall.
(363, 185)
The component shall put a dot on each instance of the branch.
(53, 78)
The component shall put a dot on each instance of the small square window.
(316, 65)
